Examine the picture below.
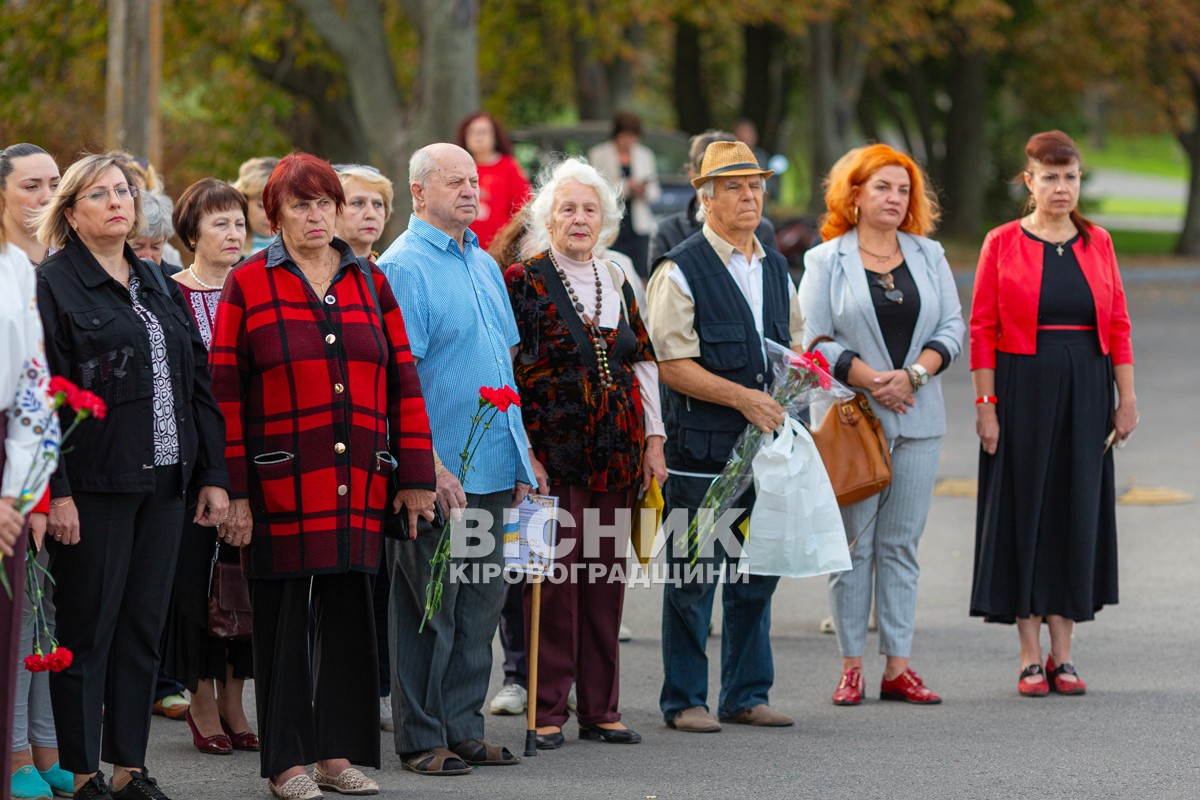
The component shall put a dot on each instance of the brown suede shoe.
(762, 715)
(695, 720)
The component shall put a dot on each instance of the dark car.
(535, 147)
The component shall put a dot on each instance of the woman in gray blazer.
(884, 294)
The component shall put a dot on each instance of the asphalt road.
(1134, 735)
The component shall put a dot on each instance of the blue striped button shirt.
(460, 328)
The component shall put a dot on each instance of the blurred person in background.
(116, 327)
(155, 231)
(252, 177)
(503, 187)
(28, 179)
(630, 165)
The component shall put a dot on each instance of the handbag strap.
(816, 340)
(212, 566)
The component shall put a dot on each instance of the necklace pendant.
(1059, 248)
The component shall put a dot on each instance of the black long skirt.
(1045, 527)
(189, 653)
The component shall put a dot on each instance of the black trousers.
(112, 591)
(323, 706)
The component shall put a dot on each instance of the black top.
(897, 321)
(1066, 298)
(95, 339)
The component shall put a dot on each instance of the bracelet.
(987, 398)
(61, 503)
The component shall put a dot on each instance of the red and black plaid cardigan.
(309, 389)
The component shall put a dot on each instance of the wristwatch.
(917, 375)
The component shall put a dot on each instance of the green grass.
(1151, 155)
(1143, 242)
(1137, 207)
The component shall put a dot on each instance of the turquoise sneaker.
(27, 784)
(61, 781)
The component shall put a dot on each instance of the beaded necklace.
(591, 323)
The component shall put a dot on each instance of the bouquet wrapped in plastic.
(798, 382)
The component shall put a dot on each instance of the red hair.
(503, 145)
(303, 176)
(853, 169)
(1055, 149)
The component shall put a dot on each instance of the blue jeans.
(747, 668)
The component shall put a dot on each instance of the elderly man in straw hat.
(713, 301)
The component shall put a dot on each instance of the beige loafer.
(695, 720)
(762, 715)
(348, 781)
(299, 787)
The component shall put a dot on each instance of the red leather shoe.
(908, 687)
(246, 740)
(218, 745)
(1033, 688)
(849, 691)
(1054, 674)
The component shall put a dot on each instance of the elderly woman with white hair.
(589, 388)
(151, 240)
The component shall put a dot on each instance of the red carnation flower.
(86, 401)
(59, 659)
(61, 386)
(35, 663)
(512, 396)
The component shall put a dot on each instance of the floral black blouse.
(583, 434)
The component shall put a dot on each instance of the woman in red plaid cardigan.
(311, 384)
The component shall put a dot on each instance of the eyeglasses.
(99, 196)
(888, 284)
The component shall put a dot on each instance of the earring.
(856, 215)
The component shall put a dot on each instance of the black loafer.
(95, 789)
(550, 741)
(140, 787)
(599, 734)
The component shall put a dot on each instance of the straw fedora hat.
(729, 158)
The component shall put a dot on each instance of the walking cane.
(535, 623)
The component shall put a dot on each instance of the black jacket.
(96, 340)
(674, 229)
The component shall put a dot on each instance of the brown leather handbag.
(229, 614)
(853, 448)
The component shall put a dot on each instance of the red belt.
(1066, 327)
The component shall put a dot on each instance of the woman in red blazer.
(1050, 335)
(322, 403)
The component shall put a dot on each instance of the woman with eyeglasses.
(1050, 341)
(117, 327)
(884, 294)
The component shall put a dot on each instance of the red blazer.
(310, 390)
(1008, 285)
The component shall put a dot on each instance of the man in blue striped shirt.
(462, 332)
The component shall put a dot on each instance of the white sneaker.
(624, 635)
(510, 700)
(385, 714)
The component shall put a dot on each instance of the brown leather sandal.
(438, 761)
(479, 753)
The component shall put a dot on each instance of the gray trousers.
(33, 717)
(440, 676)
(886, 553)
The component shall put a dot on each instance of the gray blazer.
(836, 300)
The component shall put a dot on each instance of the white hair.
(541, 207)
(705, 190)
(156, 216)
(421, 167)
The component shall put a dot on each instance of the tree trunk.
(759, 90)
(1189, 239)
(448, 75)
(134, 73)
(966, 145)
(691, 103)
(825, 145)
(619, 72)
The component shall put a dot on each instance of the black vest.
(701, 435)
